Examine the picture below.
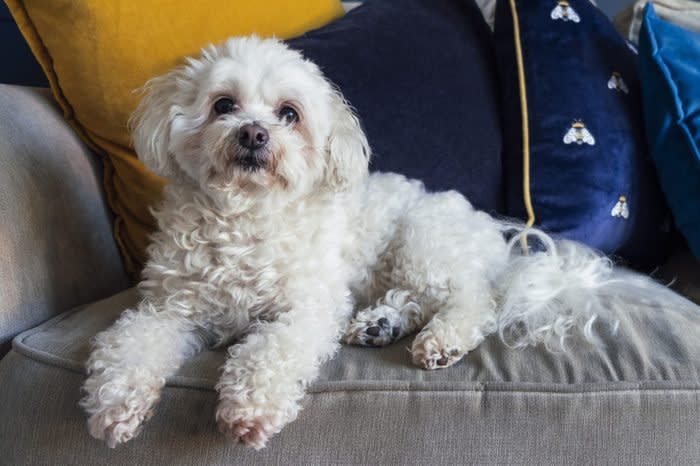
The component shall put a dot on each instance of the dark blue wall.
(17, 65)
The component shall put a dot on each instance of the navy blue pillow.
(585, 173)
(421, 75)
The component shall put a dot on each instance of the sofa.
(629, 401)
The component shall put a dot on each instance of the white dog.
(272, 232)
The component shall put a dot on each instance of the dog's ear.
(151, 122)
(349, 151)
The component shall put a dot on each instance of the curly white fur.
(272, 259)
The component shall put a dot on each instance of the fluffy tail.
(556, 289)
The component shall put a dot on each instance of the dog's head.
(253, 116)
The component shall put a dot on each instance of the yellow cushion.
(96, 53)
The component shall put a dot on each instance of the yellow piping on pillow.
(524, 115)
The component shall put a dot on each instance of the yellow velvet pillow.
(97, 53)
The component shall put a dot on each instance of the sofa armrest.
(57, 249)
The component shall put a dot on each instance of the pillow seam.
(524, 116)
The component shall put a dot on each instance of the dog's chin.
(252, 160)
(247, 171)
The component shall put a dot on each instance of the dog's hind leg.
(464, 321)
(394, 316)
(449, 253)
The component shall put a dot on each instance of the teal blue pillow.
(669, 59)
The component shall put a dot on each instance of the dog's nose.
(253, 136)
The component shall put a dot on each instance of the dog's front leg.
(128, 367)
(265, 376)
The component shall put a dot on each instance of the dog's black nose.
(253, 136)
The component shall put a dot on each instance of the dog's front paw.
(241, 425)
(377, 326)
(117, 425)
(117, 411)
(431, 351)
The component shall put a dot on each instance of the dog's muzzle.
(253, 138)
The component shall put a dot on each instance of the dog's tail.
(554, 289)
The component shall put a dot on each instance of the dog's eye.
(224, 105)
(288, 115)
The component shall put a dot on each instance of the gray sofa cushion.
(585, 406)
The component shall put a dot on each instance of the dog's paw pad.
(438, 360)
(249, 432)
(116, 426)
(430, 353)
(368, 329)
(253, 432)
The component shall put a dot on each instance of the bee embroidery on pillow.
(579, 134)
(617, 83)
(564, 12)
(621, 210)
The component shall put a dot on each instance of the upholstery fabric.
(371, 406)
(421, 75)
(684, 13)
(56, 244)
(96, 54)
(670, 62)
(583, 172)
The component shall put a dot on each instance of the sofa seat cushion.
(626, 404)
(64, 341)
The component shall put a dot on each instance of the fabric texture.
(669, 56)
(96, 54)
(426, 98)
(56, 244)
(612, 405)
(684, 13)
(575, 157)
(488, 9)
